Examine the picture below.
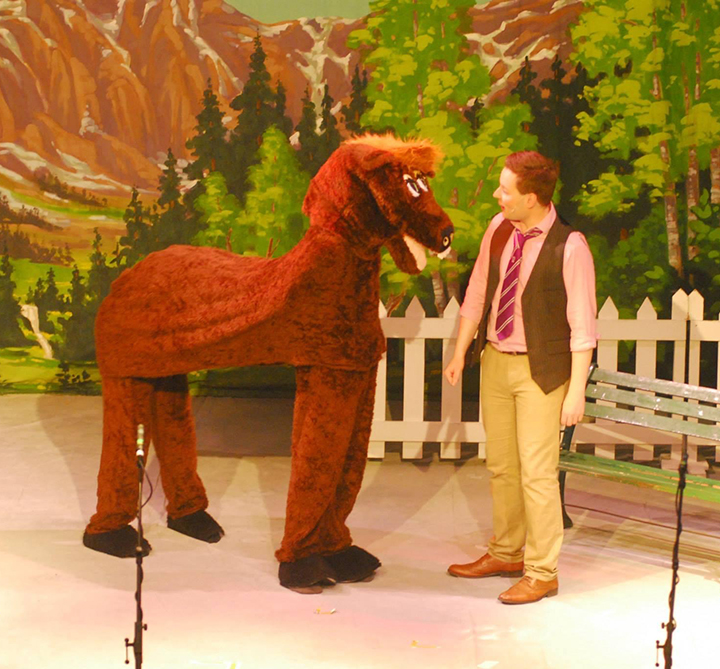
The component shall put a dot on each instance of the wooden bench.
(666, 406)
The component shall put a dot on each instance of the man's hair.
(535, 174)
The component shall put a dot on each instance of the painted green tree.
(329, 134)
(272, 221)
(171, 223)
(209, 145)
(355, 109)
(46, 296)
(77, 342)
(10, 332)
(258, 107)
(218, 210)
(309, 153)
(137, 241)
(424, 82)
(651, 110)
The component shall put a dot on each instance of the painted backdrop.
(130, 125)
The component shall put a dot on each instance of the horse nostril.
(447, 237)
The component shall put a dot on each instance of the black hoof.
(306, 575)
(353, 564)
(199, 525)
(121, 543)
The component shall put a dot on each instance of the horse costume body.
(188, 308)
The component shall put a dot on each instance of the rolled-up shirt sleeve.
(579, 279)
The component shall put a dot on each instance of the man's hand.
(453, 372)
(573, 407)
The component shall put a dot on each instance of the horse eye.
(422, 182)
(412, 187)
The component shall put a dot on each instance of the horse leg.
(126, 404)
(176, 449)
(352, 563)
(326, 413)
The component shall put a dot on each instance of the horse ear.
(376, 158)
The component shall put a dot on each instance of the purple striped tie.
(506, 309)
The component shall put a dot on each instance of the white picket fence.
(646, 329)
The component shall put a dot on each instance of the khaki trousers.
(522, 425)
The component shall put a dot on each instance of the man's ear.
(531, 200)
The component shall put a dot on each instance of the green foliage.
(272, 222)
(10, 332)
(47, 298)
(68, 382)
(309, 153)
(354, 111)
(425, 83)
(77, 340)
(654, 115)
(208, 145)
(219, 211)
(258, 108)
(171, 224)
(329, 135)
(704, 266)
(635, 267)
(138, 240)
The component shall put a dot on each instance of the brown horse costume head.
(187, 308)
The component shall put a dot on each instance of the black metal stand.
(137, 643)
(670, 625)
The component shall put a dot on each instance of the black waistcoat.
(544, 306)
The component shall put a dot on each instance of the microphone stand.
(670, 625)
(136, 644)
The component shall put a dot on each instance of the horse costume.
(191, 308)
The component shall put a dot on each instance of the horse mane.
(417, 154)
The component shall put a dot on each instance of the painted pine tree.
(353, 112)
(10, 332)
(309, 153)
(272, 221)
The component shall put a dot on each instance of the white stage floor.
(220, 606)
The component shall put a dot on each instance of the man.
(531, 300)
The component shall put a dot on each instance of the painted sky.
(272, 11)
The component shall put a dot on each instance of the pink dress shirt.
(578, 276)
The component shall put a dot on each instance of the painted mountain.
(95, 91)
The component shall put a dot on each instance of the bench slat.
(631, 417)
(700, 393)
(639, 475)
(653, 402)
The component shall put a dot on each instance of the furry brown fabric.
(187, 308)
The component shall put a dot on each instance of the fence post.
(607, 358)
(679, 313)
(695, 312)
(376, 449)
(645, 365)
(451, 397)
(414, 381)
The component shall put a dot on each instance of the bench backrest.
(669, 404)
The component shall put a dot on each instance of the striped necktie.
(506, 309)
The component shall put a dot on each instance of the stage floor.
(220, 606)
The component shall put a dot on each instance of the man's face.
(515, 206)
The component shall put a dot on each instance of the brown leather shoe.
(487, 565)
(529, 590)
